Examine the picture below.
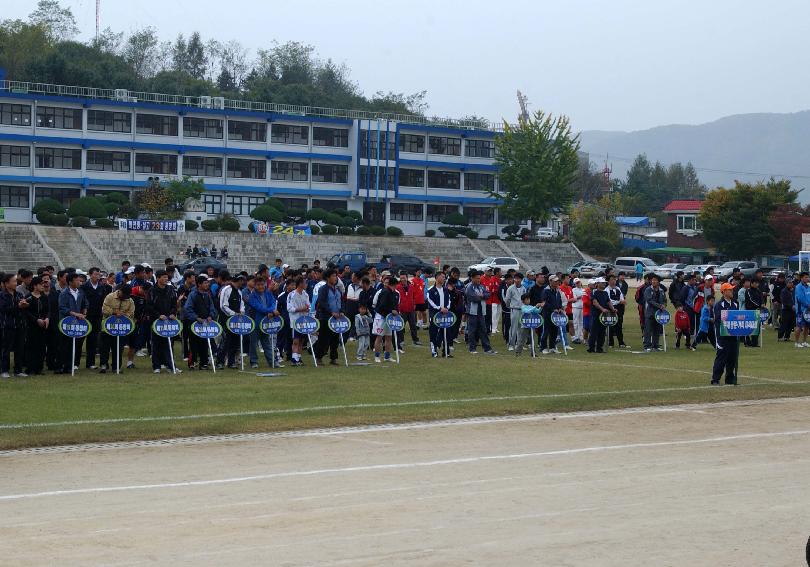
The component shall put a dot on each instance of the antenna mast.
(98, 12)
(523, 101)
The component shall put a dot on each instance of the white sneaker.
(21, 375)
(546, 351)
(798, 345)
(178, 371)
(5, 375)
(156, 371)
(555, 351)
(141, 352)
(805, 345)
(569, 347)
(510, 348)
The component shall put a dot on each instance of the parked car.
(577, 266)
(771, 273)
(357, 261)
(691, 269)
(592, 269)
(628, 264)
(546, 233)
(199, 265)
(503, 262)
(396, 262)
(725, 270)
(669, 270)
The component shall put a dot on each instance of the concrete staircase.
(21, 248)
(71, 247)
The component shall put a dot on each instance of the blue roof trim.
(463, 132)
(303, 118)
(448, 165)
(448, 199)
(307, 155)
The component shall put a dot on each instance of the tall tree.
(20, 45)
(58, 22)
(538, 164)
(788, 222)
(143, 53)
(594, 231)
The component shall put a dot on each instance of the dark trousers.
(327, 340)
(9, 344)
(596, 340)
(199, 350)
(410, 319)
(66, 348)
(477, 330)
(109, 345)
(35, 349)
(52, 359)
(786, 323)
(652, 332)
(548, 335)
(506, 323)
(93, 340)
(229, 348)
(186, 341)
(161, 352)
(617, 330)
(726, 360)
(489, 318)
(284, 341)
(452, 332)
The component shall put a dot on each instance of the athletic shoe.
(220, 367)
(21, 375)
(546, 351)
(5, 375)
(659, 349)
(204, 367)
(254, 366)
(233, 367)
(798, 345)
(473, 352)
(434, 354)
(156, 371)
(417, 343)
(334, 363)
(648, 350)
(359, 358)
(555, 351)
(805, 345)
(622, 345)
(401, 350)
(693, 348)
(141, 352)
(93, 367)
(510, 347)
(178, 371)
(279, 364)
(130, 366)
(377, 358)
(102, 371)
(490, 352)
(569, 347)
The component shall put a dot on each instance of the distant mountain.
(747, 147)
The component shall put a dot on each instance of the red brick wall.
(676, 239)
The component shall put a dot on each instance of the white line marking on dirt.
(411, 465)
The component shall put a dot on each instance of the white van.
(628, 264)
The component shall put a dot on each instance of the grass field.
(91, 407)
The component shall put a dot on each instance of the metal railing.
(220, 103)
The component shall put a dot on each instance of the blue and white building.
(399, 170)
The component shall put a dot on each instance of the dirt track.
(704, 485)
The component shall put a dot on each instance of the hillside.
(773, 144)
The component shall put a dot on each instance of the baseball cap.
(530, 273)
(708, 277)
(145, 265)
(576, 280)
(285, 266)
(553, 279)
(726, 286)
(130, 270)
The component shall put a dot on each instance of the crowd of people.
(198, 251)
(485, 303)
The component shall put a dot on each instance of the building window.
(108, 161)
(289, 170)
(247, 131)
(65, 196)
(14, 197)
(288, 134)
(15, 114)
(165, 164)
(15, 156)
(444, 179)
(413, 143)
(406, 212)
(369, 182)
(293, 204)
(330, 173)
(233, 204)
(58, 158)
(436, 213)
(329, 204)
(480, 148)
(480, 215)
(194, 127)
(445, 146)
(253, 202)
(479, 182)
(368, 144)
(247, 168)
(107, 121)
(156, 124)
(411, 177)
(202, 166)
(689, 223)
(213, 204)
(58, 117)
(331, 137)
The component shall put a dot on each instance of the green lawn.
(420, 388)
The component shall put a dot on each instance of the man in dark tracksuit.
(552, 302)
(728, 348)
(95, 290)
(199, 307)
(161, 303)
(438, 301)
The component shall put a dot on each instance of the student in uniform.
(438, 302)
(161, 303)
(727, 347)
(199, 307)
(600, 303)
(118, 303)
(72, 302)
(95, 290)
(38, 319)
(230, 304)
(617, 299)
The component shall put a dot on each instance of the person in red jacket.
(417, 289)
(407, 308)
(492, 282)
(683, 328)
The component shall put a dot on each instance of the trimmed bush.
(456, 219)
(362, 231)
(230, 224)
(103, 223)
(449, 231)
(266, 213)
(346, 230)
(333, 218)
(330, 229)
(59, 220)
(315, 229)
(430, 232)
(473, 234)
(377, 230)
(111, 209)
(393, 231)
(81, 222)
(48, 205)
(493, 237)
(190, 225)
(275, 203)
(45, 217)
(210, 225)
(88, 207)
(119, 198)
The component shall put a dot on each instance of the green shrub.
(362, 231)
(449, 231)
(393, 231)
(493, 237)
(275, 203)
(111, 209)
(430, 232)
(103, 223)
(88, 207)
(190, 225)
(377, 230)
(210, 225)
(473, 234)
(455, 219)
(333, 218)
(60, 220)
(45, 217)
(266, 213)
(81, 222)
(48, 205)
(315, 229)
(329, 229)
(229, 224)
(119, 198)
(346, 230)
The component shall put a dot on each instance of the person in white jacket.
(576, 310)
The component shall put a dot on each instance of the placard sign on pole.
(531, 321)
(739, 323)
(662, 317)
(117, 327)
(168, 329)
(272, 326)
(308, 325)
(608, 319)
(444, 321)
(806, 316)
(241, 325)
(560, 321)
(764, 315)
(208, 330)
(75, 328)
(396, 323)
(341, 325)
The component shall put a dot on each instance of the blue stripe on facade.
(463, 132)
(449, 199)
(461, 166)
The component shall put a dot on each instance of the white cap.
(576, 280)
(285, 266)
(708, 277)
(145, 265)
(130, 270)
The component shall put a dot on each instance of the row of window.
(238, 205)
(473, 181)
(445, 145)
(167, 125)
(415, 212)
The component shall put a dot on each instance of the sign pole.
(531, 334)
(563, 332)
(241, 352)
(171, 355)
(73, 359)
(446, 348)
(312, 348)
(664, 334)
(118, 353)
(396, 347)
(273, 351)
(211, 354)
(343, 346)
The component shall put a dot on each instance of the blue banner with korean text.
(139, 225)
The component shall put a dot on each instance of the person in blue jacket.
(706, 328)
(802, 303)
(199, 307)
(261, 303)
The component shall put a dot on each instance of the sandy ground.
(692, 485)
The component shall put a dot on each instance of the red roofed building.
(683, 226)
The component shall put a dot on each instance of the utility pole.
(523, 101)
(98, 13)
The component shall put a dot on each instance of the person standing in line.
(753, 302)
(514, 303)
(475, 296)
(12, 307)
(655, 299)
(120, 304)
(688, 298)
(183, 292)
(728, 348)
(419, 289)
(787, 320)
(297, 306)
(438, 302)
(53, 358)
(523, 335)
(262, 303)
(407, 309)
(199, 308)
(230, 304)
(387, 304)
(161, 304)
(599, 304)
(550, 303)
(353, 301)
(72, 302)
(506, 318)
(328, 306)
(706, 332)
(95, 290)
(776, 302)
(618, 301)
(362, 322)
(801, 296)
(576, 310)
(493, 285)
(38, 319)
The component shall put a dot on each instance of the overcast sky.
(617, 65)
